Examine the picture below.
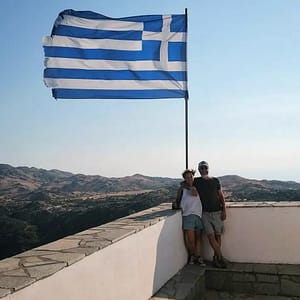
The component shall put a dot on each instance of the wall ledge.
(259, 204)
(26, 268)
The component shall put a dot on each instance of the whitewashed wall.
(133, 268)
(261, 233)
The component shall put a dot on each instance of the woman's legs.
(192, 228)
(190, 241)
(198, 246)
(193, 243)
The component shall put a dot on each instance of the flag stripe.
(151, 51)
(150, 22)
(104, 22)
(97, 33)
(83, 43)
(148, 52)
(117, 94)
(77, 32)
(113, 74)
(94, 64)
(113, 84)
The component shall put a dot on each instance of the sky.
(244, 91)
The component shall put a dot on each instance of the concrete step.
(238, 281)
(187, 284)
(221, 295)
(255, 279)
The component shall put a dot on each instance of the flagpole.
(186, 106)
(186, 134)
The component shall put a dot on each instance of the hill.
(242, 189)
(28, 184)
(21, 182)
(38, 206)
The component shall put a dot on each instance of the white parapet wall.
(261, 232)
(133, 257)
(133, 266)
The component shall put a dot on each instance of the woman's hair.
(188, 171)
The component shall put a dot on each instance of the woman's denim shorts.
(192, 222)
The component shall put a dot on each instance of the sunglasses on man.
(203, 168)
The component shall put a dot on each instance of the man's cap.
(202, 163)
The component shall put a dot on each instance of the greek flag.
(89, 55)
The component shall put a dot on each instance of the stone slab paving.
(4, 292)
(9, 264)
(15, 282)
(256, 279)
(187, 284)
(67, 258)
(60, 245)
(217, 295)
(39, 272)
(84, 250)
(95, 243)
(238, 281)
(28, 267)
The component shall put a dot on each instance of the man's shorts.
(212, 222)
(192, 222)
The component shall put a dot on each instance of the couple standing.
(203, 207)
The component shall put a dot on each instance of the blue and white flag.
(89, 55)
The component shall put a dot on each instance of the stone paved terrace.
(223, 295)
(26, 268)
(278, 281)
(238, 281)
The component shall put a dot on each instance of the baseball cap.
(202, 164)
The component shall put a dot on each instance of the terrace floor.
(222, 295)
(238, 281)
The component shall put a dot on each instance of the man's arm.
(193, 189)
(222, 199)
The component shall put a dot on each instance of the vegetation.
(32, 224)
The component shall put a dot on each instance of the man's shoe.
(222, 262)
(216, 262)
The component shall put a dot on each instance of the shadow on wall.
(171, 254)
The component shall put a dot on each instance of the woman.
(189, 202)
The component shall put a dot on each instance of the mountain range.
(23, 183)
(21, 179)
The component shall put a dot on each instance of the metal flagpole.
(186, 105)
(186, 134)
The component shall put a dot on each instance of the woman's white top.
(190, 205)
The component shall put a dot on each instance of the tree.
(16, 236)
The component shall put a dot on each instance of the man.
(214, 210)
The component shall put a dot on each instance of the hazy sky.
(244, 85)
